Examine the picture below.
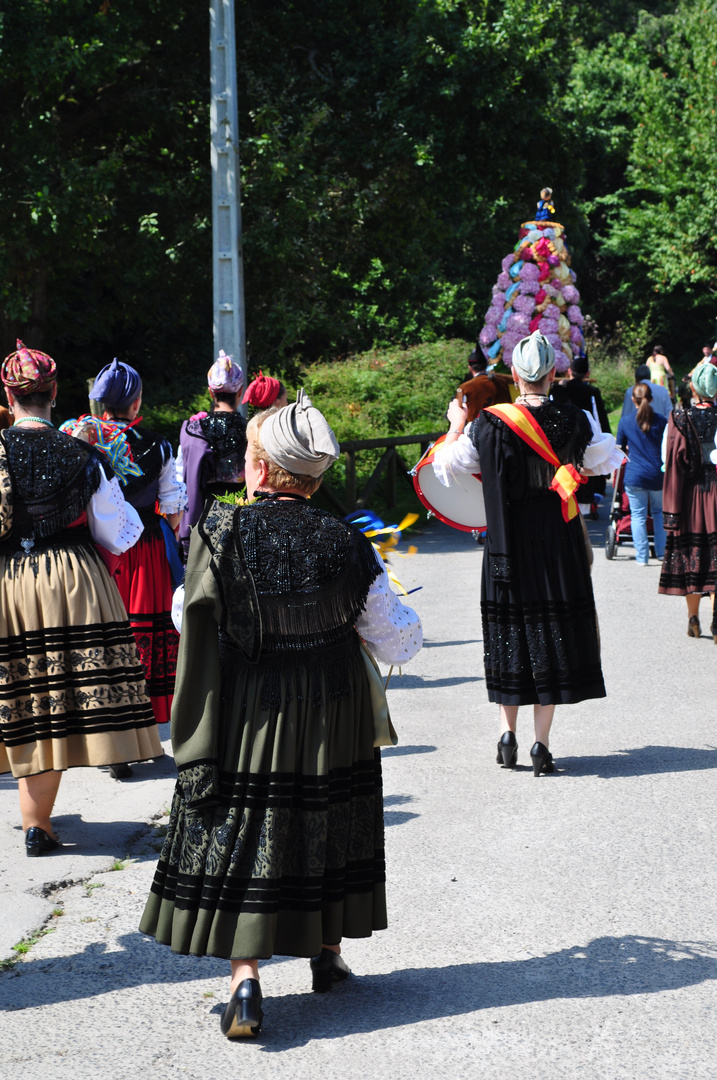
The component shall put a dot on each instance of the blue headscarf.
(116, 385)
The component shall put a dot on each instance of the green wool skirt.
(292, 856)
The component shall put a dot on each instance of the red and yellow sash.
(567, 479)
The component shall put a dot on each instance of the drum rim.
(426, 459)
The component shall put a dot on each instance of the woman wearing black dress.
(540, 634)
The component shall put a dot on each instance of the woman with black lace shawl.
(275, 840)
(72, 689)
(540, 634)
(689, 500)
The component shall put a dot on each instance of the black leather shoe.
(37, 842)
(326, 969)
(243, 1015)
(121, 772)
(541, 758)
(507, 749)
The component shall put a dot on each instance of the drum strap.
(567, 479)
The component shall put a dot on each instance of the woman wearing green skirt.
(275, 841)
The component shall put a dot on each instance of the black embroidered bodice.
(151, 452)
(699, 427)
(225, 434)
(52, 478)
(568, 431)
(311, 573)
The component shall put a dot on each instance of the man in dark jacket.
(587, 397)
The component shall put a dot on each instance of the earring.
(53, 403)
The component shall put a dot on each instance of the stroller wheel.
(610, 542)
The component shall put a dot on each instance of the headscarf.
(704, 380)
(117, 385)
(262, 392)
(28, 371)
(299, 439)
(533, 357)
(225, 376)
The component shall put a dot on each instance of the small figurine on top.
(545, 205)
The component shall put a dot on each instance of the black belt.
(31, 545)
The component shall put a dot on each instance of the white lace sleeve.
(460, 457)
(172, 493)
(112, 522)
(392, 631)
(602, 455)
(179, 463)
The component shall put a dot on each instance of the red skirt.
(145, 586)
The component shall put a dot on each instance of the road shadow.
(641, 761)
(413, 682)
(446, 644)
(80, 837)
(606, 967)
(402, 751)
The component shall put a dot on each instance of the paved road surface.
(553, 928)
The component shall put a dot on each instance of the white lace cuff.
(112, 522)
(392, 631)
(460, 457)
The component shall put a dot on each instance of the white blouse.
(172, 491)
(601, 457)
(112, 522)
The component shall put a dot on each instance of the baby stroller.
(619, 529)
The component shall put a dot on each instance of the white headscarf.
(299, 439)
(533, 357)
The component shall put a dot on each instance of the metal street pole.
(227, 264)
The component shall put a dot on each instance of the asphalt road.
(556, 927)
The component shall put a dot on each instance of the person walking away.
(588, 398)
(71, 683)
(540, 634)
(689, 501)
(640, 434)
(145, 578)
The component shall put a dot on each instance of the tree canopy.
(389, 149)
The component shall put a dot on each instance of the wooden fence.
(391, 463)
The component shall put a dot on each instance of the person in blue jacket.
(640, 434)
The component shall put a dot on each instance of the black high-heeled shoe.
(326, 969)
(541, 758)
(243, 1015)
(693, 626)
(38, 842)
(507, 749)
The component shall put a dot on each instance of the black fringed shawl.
(52, 477)
(310, 573)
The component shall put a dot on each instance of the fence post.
(351, 480)
(391, 480)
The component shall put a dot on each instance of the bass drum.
(461, 505)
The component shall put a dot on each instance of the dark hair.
(642, 396)
(656, 349)
(36, 400)
(228, 399)
(476, 359)
(642, 372)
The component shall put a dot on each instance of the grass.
(25, 944)
(89, 889)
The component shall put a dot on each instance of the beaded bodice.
(225, 434)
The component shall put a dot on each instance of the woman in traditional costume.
(540, 632)
(212, 445)
(275, 841)
(689, 500)
(72, 688)
(144, 577)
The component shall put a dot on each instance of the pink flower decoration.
(529, 288)
(526, 253)
(508, 262)
(575, 315)
(528, 272)
(535, 323)
(540, 296)
(571, 294)
(553, 260)
(542, 249)
(504, 281)
(544, 272)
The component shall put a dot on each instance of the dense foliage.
(389, 149)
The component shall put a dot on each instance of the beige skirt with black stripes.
(72, 688)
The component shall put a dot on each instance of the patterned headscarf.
(117, 385)
(225, 376)
(263, 392)
(704, 379)
(28, 371)
(533, 357)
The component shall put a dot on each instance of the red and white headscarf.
(28, 371)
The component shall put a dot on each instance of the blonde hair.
(276, 477)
